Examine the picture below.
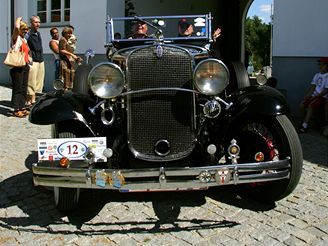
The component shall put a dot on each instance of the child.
(317, 94)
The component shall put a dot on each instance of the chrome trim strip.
(80, 177)
(157, 186)
(159, 89)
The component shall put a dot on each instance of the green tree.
(129, 8)
(257, 41)
(129, 11)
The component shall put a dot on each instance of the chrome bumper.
(153, 179)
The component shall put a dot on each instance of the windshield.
(186, 27)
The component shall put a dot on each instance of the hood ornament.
(159, 51)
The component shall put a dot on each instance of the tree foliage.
(257, 41)
(129, 8)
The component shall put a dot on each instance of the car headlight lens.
(211, 77)
(106, 80)
(261, 79)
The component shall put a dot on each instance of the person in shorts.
(316, 96)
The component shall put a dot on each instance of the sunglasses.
(24, 29)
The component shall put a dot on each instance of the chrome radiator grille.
(165, 117)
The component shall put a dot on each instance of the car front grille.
(165, 117)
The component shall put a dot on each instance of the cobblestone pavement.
(28, 215)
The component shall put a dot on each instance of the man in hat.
(139, 30)
(185, 28)
(317, 94)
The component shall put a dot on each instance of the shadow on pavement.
(38, 213)
(5, 108)
(315, 148)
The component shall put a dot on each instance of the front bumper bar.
(153, 179)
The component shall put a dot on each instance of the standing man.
(36, 75)
(54, 46)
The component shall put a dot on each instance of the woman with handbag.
(19, 74)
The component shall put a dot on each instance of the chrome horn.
(93, 110)
(108, 116)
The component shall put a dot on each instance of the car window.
(172, 28)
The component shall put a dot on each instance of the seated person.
(185, 28)
(317, 94)
(139, 30)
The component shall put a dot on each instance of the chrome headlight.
(211, 77)
(261, 79)
(106, 80)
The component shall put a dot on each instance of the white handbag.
(15, 58)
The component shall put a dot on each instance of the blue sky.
(261, 8)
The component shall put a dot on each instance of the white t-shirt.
(320, 80)
(55, 54)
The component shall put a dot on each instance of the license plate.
(73, 148)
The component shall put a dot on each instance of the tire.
(166, 211)
(66, 199)
(241, 74)
(80, 84)
(276, 138)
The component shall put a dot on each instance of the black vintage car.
(166, 113)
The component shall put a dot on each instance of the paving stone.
(299, 223)
(316, 232)
(294, 241)
(8, 241)
(28, 215)
(304, 235)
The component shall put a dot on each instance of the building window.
(53, 11)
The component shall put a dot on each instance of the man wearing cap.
(185, 28)
(139, 30)
(317, 94)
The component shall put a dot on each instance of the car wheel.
(80, 84)
(241, 74)
(65, 198)
(277, 139)
(166, 211)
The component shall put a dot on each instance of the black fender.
(58, 106)
(262, 100)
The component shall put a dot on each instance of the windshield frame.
(110, 29)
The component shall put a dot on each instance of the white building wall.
(300, 28)
(300, 37)
(88, 19)
(5, 25)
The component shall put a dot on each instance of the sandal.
(19, 114)
(29, 104)
(25, 112)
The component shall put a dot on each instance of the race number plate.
(72, 148)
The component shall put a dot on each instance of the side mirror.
(58, 84)
(89, 53)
